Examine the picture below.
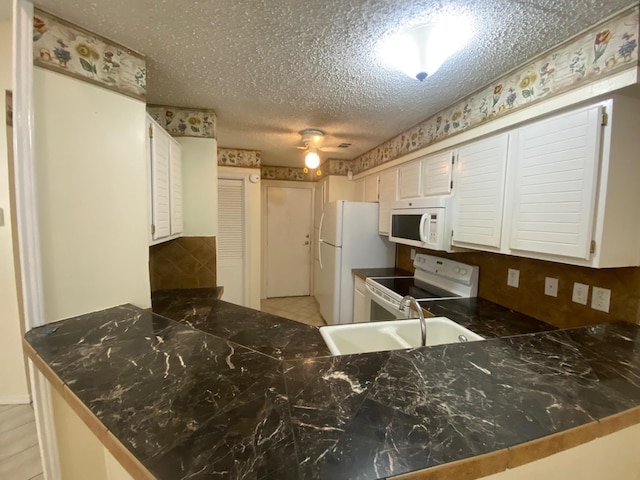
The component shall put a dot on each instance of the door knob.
(307, 242)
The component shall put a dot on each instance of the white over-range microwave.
(422, 222)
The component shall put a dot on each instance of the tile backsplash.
(529, 297)
(186, 262)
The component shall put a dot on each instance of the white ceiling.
(270, 68)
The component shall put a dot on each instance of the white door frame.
(27, 223)
(265, 262)
(244, 177)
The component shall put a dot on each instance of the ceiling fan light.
(312, 159)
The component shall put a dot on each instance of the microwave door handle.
(424, 236)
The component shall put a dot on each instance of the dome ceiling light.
(420, 50)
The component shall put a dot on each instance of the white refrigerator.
(347, 238)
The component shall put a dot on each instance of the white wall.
(92, 196)
(13, 378)
(199, 186)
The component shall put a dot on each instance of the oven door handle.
(374, 296)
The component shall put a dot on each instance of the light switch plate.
(580, 293)
(600, 299)
(513, 278)
(551, 286)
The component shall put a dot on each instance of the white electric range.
(435, 278)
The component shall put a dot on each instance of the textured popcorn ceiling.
(270, 68)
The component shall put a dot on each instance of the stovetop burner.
(411, 286)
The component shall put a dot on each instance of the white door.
(232, 239)
(289, 229)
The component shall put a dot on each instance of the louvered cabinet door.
(160, 181)
(478, 186)
(436, 174)
(387, 188)
(555, 184)
(176, 188)
(409, 180)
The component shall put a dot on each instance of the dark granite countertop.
(381, 272)
(228, 392)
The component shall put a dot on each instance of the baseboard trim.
(15, 399)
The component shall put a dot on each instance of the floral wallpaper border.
(288, 173)
(185, 122)
(235, 157)
(607, 48)
(69, 49)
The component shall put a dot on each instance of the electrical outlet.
(513, 278)
(580, 293)
(413, 254)
(551, 286)
(600, 299)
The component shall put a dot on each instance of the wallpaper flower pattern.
(287, 173)
(606, 49)
(233, 157)
(71, 50)
(184, 122)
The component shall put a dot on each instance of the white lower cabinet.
(360, 306)
(165, 184)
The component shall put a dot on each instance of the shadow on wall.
(529, 297)
(186, 262)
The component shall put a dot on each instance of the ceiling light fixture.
(420, 51)
(312, 159)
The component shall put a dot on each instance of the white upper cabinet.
(371, 188)
(479, 193)
(165, 170)
(387, 187)
(409, 180)
(554, 187)
(575, 187)
(436, 174)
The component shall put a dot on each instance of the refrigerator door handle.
(320, 240)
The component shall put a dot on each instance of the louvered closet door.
(161, 212)
(555, 189)
(479, 192)
(232, 239)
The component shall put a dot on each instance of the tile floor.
(19, 452)
(301, 309)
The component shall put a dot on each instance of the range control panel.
(427, 266)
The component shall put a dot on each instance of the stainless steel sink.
(392, 335)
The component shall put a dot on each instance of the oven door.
(381, 310)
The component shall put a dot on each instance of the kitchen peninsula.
(201, 388)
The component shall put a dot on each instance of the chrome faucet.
(423, 324)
